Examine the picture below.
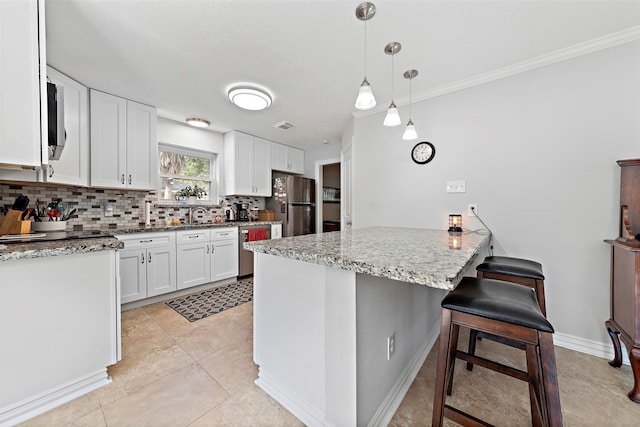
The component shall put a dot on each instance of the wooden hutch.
(624, 323)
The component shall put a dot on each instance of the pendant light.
(392, 118)
(410, 131)
(365, 100)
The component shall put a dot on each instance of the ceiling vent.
(284, 125)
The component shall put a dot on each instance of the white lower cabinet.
(205, 256)
(224, 253)
(194, 257)
(147, 265)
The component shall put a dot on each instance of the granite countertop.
(410, 255)
(14, 251)
(38, 249)
(160, 228)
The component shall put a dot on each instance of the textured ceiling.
(182, 55)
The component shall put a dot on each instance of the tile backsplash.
(128, 205)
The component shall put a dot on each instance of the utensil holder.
(12, 224)
(45, 225)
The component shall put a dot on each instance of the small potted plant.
(191, 193)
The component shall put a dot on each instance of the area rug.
(206, 303)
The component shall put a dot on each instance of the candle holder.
(455, 240)
(455, 223)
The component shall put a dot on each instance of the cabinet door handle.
(146, 241)
(129, 179)
(194, 236)
(224, 234)
(122, 179)
(213, 248)
(51, 171)
(207, 248)
(149, 259)
(142, 262)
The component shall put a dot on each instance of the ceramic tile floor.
(175, 373)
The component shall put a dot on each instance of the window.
(180, 168)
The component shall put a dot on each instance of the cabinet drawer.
(224, 234)
(136, 240)
(192, 236)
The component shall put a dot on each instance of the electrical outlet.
(108, 210)
(391, 345)
(471, 208)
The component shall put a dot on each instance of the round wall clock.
(423, 152)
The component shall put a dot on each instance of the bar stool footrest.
(463, 418)
(494, 366)
(501, 340)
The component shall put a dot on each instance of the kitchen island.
(344, 320)
(59, 322)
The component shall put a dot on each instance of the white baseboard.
(299, 407)
(391, 403)
(593, 348)
(312, 416)
(43, 402)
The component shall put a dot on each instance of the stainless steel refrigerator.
(293, 203)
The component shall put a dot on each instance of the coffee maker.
(242, 212)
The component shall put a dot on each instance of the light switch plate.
(458, 186)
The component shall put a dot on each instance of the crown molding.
(577, 50)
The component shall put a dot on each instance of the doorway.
(328, 181)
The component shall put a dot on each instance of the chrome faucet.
(192, 211)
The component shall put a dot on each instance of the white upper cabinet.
(73, 166)
(262, 179)
(296, 160)
(142, 147)
(124, 145)
(247, 165)
(21, 54)
(286, 159)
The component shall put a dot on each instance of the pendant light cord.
(365, 49)
(392, 76)
(410, 82)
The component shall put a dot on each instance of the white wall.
(538, 152)
(184, 135)
(323, 152)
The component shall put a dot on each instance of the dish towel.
(257, 234)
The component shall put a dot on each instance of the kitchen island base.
(321, 339)
(59, 330)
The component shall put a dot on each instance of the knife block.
(12, 224)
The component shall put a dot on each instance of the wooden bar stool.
(505, 310)
(515, 270)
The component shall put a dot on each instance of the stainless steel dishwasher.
(245, 258)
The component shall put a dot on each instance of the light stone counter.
(195, 226)
(10, 251)
(15, 251)
(406, 254)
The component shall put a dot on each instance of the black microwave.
(55, 117)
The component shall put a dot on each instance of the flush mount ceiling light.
(249, 98)
(410, 131)
(365, 100)
(392, 118)
(199, 123)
